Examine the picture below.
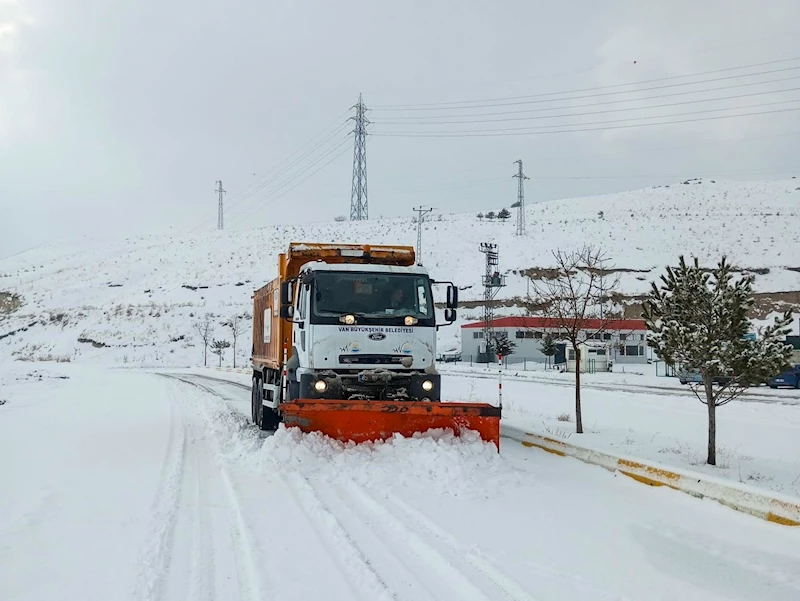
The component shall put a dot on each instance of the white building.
(594, 357)
(624, 339)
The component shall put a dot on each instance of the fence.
(513, 362)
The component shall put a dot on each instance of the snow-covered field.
(132, 479)
(758, 440)
(134, 485)
(140, 296)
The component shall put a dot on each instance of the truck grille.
(370, 359)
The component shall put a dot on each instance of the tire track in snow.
(479, 562)
(448, 577)
(384, 558)
(155, 557)
(211, 553)
(362, 578)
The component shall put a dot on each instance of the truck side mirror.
(452, 297)
(286, 293)
(287, 311)
(450, 315)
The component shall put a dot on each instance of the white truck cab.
(363, 331)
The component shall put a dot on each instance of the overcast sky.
(117, 117)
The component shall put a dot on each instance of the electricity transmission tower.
(492, 282)
(220, 220)
(421, 212)
(520, 198)
(359, 205)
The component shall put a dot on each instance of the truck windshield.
(371, 295)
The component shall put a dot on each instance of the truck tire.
(254, 399)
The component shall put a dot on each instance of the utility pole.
(492, 282)
(359, 204)
(220, 191)
(520, 198)
(421, 212)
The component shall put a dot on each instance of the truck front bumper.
(379, 385)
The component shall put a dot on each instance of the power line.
(454, 104)
(342, 149)
(271, 176)
(642, 58)
(601, 94)
(700, 112)
(703, 173)
(510, 132)
(271, 195)
(438, 119)
(293, 164)
(269, 172)
(241, 203)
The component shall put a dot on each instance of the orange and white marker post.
(500, 378)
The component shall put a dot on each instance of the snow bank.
(436, 461)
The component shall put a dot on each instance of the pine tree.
(502, 345)
(504, 214)
(698, 320)
(218, 348)
(480, 216)
(548, 346)
(490, 215)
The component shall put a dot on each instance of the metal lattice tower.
(520, 198)
(492, 282)
(420, 219)
(359, 205)
(220, 217)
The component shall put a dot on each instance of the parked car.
(685, 377)
(451, 357)
(790, 378)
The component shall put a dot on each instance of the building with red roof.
(623, 340)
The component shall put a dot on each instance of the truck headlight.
(348, 319)
(410, 321)
(427, 386)
(320, 385)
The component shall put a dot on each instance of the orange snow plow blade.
(361, 421)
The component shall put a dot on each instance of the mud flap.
(361, 421)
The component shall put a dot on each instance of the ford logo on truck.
(377, 336)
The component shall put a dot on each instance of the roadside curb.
(774, 508)
(230, 369)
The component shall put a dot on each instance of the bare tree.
(205, 331)
(238, 326)
(574, 299)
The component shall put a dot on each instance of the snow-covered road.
(120, 484)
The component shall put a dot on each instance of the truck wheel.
(255, 399)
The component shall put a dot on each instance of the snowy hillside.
(134, 300)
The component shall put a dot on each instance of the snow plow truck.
(344, 343)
